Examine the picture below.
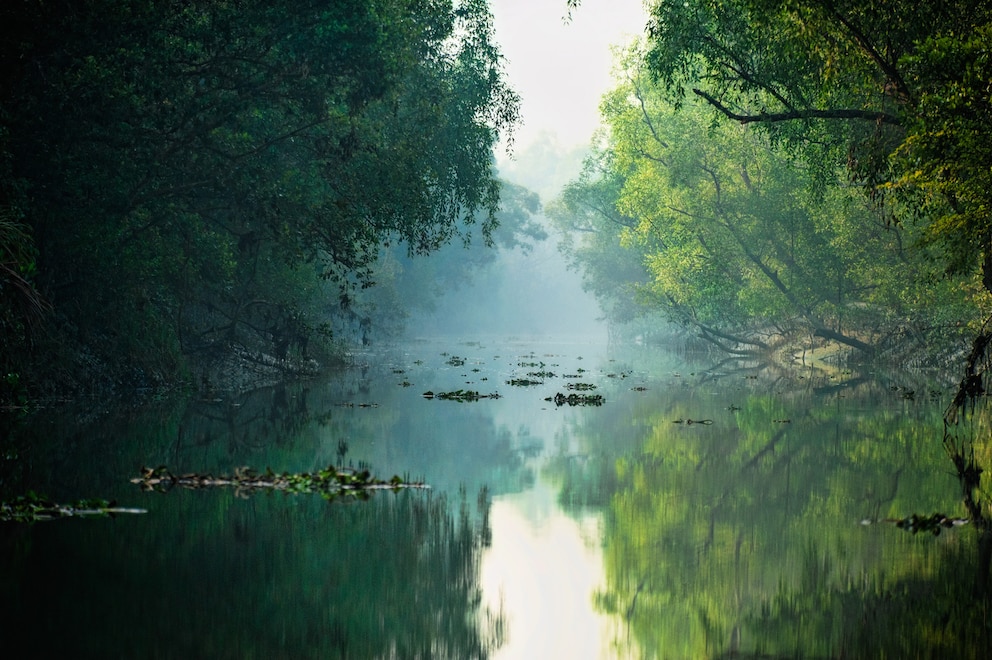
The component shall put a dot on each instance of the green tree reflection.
(742, 537)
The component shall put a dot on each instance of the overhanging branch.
(772, 117)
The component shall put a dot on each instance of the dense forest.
(180, 180)
(773, 172)
(183, 182)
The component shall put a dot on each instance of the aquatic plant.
(460, 395)
(577, 399)
(524, 382)
(36, 508)
(914, 523)
(330, 482)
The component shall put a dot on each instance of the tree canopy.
(799, 166)
(739, 238)
(895, 90)
(192, 170)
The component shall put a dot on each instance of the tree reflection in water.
(742, 538)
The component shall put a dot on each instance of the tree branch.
(888, 68)
(772, 117)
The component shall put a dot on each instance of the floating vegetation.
(933, 523)
(541, 374)
(32, 508)
(524, 382)
(460, 395)
(330, 482)
(692, 421)
(577, 399)
(582, 387)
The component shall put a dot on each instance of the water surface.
(704, 509)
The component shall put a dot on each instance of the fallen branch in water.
(329, 482)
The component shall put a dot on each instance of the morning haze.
(388, 329)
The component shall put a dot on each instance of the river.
(699, 508)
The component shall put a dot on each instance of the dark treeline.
(776, 173)
(181, 178)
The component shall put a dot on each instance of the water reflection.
(212, 576)
(618, 530)
(740, 537)
(543, 570)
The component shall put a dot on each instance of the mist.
(561, 66)
(527, 289)
(526, 294)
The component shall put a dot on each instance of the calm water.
(703, 510)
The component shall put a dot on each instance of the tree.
(740, 241)
(855, 83)
(190, 167)
(406, 284)
(592, 226)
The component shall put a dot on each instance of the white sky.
(562, 69)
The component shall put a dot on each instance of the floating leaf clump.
(460, 395)
(524, 382)
(933, 523)
(35, 508)
(330, 482)
(915, 523)
(577, 399)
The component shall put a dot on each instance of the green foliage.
(195, 171)
(742, 536)
(33, 508)
(591, 226)
(743, 242)
(331, 482)
(943, 165)
(894, 91)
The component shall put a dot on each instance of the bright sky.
(562, 69)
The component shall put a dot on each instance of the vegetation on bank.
(176, 180)
(187, 192)
(781, 172)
